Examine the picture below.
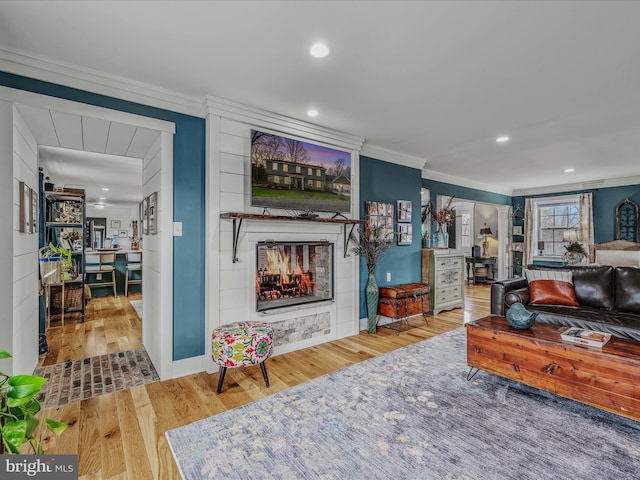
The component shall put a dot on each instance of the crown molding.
(573, 187)
(383, 154)
(279, 123)
(464, 182)
(83, 78)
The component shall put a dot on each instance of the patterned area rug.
(95, 376)
(410, 414)
(137, 306)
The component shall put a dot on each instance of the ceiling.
(90, 152)
(433, 81)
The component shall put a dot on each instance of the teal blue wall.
(387, 182)
(605, 201)
(463, 193)
(188, 207)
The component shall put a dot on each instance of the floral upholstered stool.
(241, 344)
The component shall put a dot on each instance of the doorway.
(80, 115)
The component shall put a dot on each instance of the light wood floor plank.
(123, 435)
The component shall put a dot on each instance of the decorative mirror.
(627, 221)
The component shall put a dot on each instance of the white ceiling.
(92, 153)
(433, 80)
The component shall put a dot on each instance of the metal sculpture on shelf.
(627, 221)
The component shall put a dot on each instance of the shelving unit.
(65, 213)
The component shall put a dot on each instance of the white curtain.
(529, 233)
(585, 226)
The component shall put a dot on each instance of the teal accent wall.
(387, 182)
(605, 201)
(188, 208)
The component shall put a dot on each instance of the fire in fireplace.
(293, 273)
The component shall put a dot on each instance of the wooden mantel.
(239, 217)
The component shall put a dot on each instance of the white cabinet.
(445, 278)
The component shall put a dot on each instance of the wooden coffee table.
(607, 378)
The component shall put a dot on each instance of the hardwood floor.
(121, 435)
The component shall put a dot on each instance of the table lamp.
(485, 232)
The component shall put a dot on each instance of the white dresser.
(444, 273)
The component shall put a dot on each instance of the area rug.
(137, 306)
(410, 414)
(91, 377)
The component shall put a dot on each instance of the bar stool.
(134, 264)
(104, 264)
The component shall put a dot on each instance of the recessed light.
(319, 50)
(99, 206)
(502, 139)
(105, 189)
(102, 198)
(312, 112)
(569, 170)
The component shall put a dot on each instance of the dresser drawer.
(448, 263)
(449, 277)
(444, 295)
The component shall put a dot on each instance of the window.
(274, 165)
(310, 171)
(318, 183)
(553, 218)
(318, 172)
(297, 169)
(276, 179)
(287, 181)
(285, 167)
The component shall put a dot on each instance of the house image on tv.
(295, 176)
(340, 184)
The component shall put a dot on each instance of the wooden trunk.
(607, 378)
(401, 301)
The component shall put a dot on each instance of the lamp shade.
(485, 230)
(570, 236)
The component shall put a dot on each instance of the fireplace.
(293, 273)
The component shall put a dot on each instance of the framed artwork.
(517, 230)
(25, 208)
(145, 216)
(34, 211)
(404, 211)
(123, 233)
(517, 246)
(115, 224)
(153, 213)
(380, 215)
(405, 233)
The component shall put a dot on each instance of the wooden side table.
(471, 264)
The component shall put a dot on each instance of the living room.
(202, 286)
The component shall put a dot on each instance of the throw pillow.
(551, 287)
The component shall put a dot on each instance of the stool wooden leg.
(263, 367)
(223, 370)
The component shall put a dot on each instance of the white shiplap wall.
(231, 286)
(157, 265)
(25, 253)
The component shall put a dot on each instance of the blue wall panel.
(464, 193)
(387, 182)
(189, 204)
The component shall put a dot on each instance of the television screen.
(291, 174)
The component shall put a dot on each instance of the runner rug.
(410, 414)
(91, 377)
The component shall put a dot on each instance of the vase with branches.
(371, 244)
(443, 218)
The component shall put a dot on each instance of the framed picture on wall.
(153, 213)
(405, 233)
(123, 233)
(517, 230)
(34, 211)
(115, 224)
(25, 208)
(517, 246)
(404, 211)
(145, 216)
(380, 215)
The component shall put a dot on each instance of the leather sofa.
(609, 299)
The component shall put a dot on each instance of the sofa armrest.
(499, 291)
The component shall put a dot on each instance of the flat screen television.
(295, 175)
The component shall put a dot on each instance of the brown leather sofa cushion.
(593, 285)
(627, 289)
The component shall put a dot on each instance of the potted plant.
(18, 409)
(574, 253)
(370, 244)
